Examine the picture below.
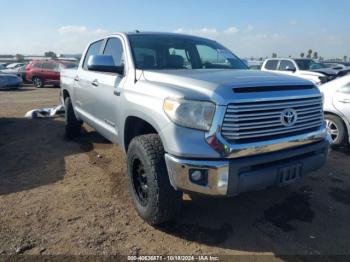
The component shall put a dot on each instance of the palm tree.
(315, 55)
(302, 55)
(309, 53)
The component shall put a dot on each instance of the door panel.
(341, 100)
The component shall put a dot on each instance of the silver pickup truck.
(192, 118)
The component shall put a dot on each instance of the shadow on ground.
(33, 152)
(306, 218)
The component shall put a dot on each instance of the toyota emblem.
(289, 117)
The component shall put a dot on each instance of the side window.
(49, 66)
(345, 89)
(114, 48)
(286, 65)
(94, 49)
(180, 55)
(37, 65)
(271, 64)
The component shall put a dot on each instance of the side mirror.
(104, 63)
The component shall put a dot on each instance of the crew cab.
(191, 117)
(299, 68)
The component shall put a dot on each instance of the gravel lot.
(70, 197)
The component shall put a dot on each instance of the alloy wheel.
(140, 184)
(332, 129)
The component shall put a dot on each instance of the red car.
(46, 72)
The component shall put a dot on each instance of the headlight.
(190, 113)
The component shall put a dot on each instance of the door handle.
(345, 101)
(95, 82)
(76, 79)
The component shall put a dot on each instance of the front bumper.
(230, 177)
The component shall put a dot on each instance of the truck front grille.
(254, 121)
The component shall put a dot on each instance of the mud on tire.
(72, 124)
(155, 200)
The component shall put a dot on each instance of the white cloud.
(293, 22)
(80, 30)
(248, 29)
(231, 30)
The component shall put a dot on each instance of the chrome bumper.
(230, 177)
(179, 169)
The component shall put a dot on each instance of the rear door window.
(50, 66)
(37, 65)
(94, 49)
(271, 64)
(286, 65)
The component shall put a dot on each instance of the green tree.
(315, 56)
(302, 55)
(274, 55)
(51, 54)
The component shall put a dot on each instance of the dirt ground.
(64, 197)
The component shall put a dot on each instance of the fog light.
(199, 176)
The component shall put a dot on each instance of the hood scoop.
(256, 89)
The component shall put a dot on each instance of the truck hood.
(217, 84)
(309, 73)
(327, 71)
(214, 78)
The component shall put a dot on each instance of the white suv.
(289, 66)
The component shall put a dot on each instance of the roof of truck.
(161, 34)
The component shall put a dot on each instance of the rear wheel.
(72, 124)
(38, 82)
(155, 200)
(336, 129)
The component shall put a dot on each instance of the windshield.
(181, 52)
(308, 64)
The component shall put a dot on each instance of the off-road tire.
(72, 124)
(163, 201)
(341, 139)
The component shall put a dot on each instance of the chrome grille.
(262, 120)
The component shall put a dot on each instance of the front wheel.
(155, 200)
(336, 129)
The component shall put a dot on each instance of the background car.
(46, 72)
(16, 69)
(289, 66)
(337, 109)
(10, 81)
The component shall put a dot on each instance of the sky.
(250, 28)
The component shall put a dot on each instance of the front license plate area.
(289, 174)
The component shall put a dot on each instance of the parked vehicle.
(192, 118)
(14, 65)
(46, 72)
(2, 66)
(15, 70)
(8, 81)
(337, 109)
(290, 66)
